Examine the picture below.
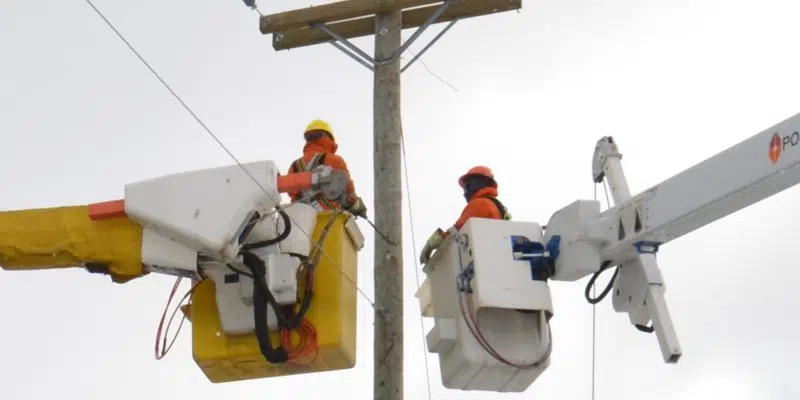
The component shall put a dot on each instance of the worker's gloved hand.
(358, 208)
(431, 245)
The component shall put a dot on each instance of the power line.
(430, 71)
(594, 306)
(594, 321)
(594, 336)
(414, 250)
(225, 148)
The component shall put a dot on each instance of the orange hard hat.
(479, 170)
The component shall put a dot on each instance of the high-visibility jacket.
(484, 204)
(316, 153)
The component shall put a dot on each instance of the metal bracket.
(351, 50)
(604, 149)
(638, 286)
(541, 258)
(647, 247)
(465, 278)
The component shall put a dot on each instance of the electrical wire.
(222, 145)
(594, 340)
(161, 351)
(414, 250)
(288, 319)
(467, 308)
(603, 267)
(430, 71)
(308, 345)
(594, 321)
(306, 330)
(594, 295)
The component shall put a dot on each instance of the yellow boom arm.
(65, 237)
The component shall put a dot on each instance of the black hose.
(287, 229)
(604, 293)
(297, 318)
(592, 280)
(273, 355)
(258, 269)
(263, 297)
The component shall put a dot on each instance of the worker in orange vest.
(320, 149)
(480, 191)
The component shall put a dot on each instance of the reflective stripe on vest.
(300, 166)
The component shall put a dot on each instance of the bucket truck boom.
(260, 278)
(496, 271)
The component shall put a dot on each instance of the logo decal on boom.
(778, 144)
(775, 148)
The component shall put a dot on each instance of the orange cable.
(308, 343)
(307, 332)
(162, 352)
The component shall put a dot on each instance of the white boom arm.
(630, 233)
(740, 176)
(580, 240)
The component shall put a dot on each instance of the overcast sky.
(673, 81)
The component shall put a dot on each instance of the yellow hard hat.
(320, 125)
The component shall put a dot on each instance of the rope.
(594, 321)
(416, 266)
(594, 337)
(225, 148)
(594, 305)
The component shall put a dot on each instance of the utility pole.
(387, 152)
(337, 23)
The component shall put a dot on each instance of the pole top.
(356, 18)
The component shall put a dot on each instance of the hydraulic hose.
(258, 269)
(287, 229)
(273, 355)
(263, 297)
(604, 293)
(592, 280)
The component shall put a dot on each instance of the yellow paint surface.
(65, 237)
(226, 358)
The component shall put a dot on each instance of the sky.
(527, 94)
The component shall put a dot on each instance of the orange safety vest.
(300, 165)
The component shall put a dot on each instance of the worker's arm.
(293, 169)
(476, 208)
(337, 162)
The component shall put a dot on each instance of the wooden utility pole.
(336, 23)
(387, 151)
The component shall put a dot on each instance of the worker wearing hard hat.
(320, 149)
(480, 191)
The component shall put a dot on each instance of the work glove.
(431, 245)
(358, 208)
